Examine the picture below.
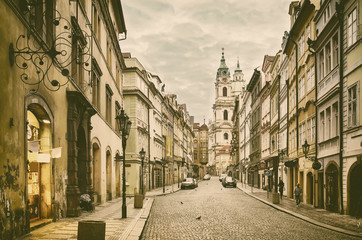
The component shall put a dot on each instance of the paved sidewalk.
(159, 191)
(321, 217)
(129, 228)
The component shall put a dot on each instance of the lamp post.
(316, 164)
(163, 171)
(142, 156)
(124, 127)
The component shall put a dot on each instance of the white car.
(222, 176)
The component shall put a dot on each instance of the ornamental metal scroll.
(35, 57)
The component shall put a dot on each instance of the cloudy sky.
(181, 41)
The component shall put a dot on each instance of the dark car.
(229, 182)
(188, 183)
(222, 176)
(207, 177)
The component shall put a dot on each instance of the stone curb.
(162, 194)
(304, 218)
(138, 227)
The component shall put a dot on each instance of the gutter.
(340, 10)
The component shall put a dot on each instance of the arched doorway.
(310, 189)
(118, 175)
(97, 173)
(355, 195)
(82, 160)
(39, 142)
(332, 188)
(109, 175)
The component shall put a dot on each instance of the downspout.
(287, 84)
(149, 150)
(296, 104)
(340, 10)
(296, 93)
(310, 43)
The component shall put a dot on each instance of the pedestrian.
(297, 193)
(281, 188)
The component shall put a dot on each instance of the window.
(309, 130)
(322, 129)
(352, 106)
(301, 134)
(307, 31)
(77, 69)
(301, 46)
(225, 115)
(95, 90)
(328, 123)
(352, 27)
(335, 119)
(310, 78)
(321, 64)
(225, 92)
(117, 111)
(195, 155)
(328, 58)
(301, 88)
(313, 130)
(335, 50)
(109, 56)
(96, 25)
(226, 136)
(109, 94)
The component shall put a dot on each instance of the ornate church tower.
(220, 129)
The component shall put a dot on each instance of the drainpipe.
(310, 43)
(340, 10)
(149, 151)
(296, 103)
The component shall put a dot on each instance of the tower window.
(225, 115)
(226, 136)
(224, 91)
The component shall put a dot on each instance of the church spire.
(238, 67)
(223, 69)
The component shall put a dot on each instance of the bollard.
(91, 230)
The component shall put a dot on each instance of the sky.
(181, 42)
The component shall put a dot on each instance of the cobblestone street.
(226, 213)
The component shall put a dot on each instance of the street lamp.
(316, 164)
(142, 156)
(306, 148)
(163, 171)
(124, 127)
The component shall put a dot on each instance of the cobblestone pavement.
(225, 213)
(109, 212)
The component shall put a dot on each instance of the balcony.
(328, 82)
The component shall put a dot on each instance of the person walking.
(281, 188)
(297, 194)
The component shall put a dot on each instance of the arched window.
(226, 136)
(225, 115)
(224, 91)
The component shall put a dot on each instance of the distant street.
(226, 213)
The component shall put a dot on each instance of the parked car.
(207, 177)
(188, 183)
(222, 176)
(229, 181)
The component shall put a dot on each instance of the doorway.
(332, 188)
(320, 190)
(310, 189)
(109, 175)
(355, 201)
(39, 144)
(97, 173)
